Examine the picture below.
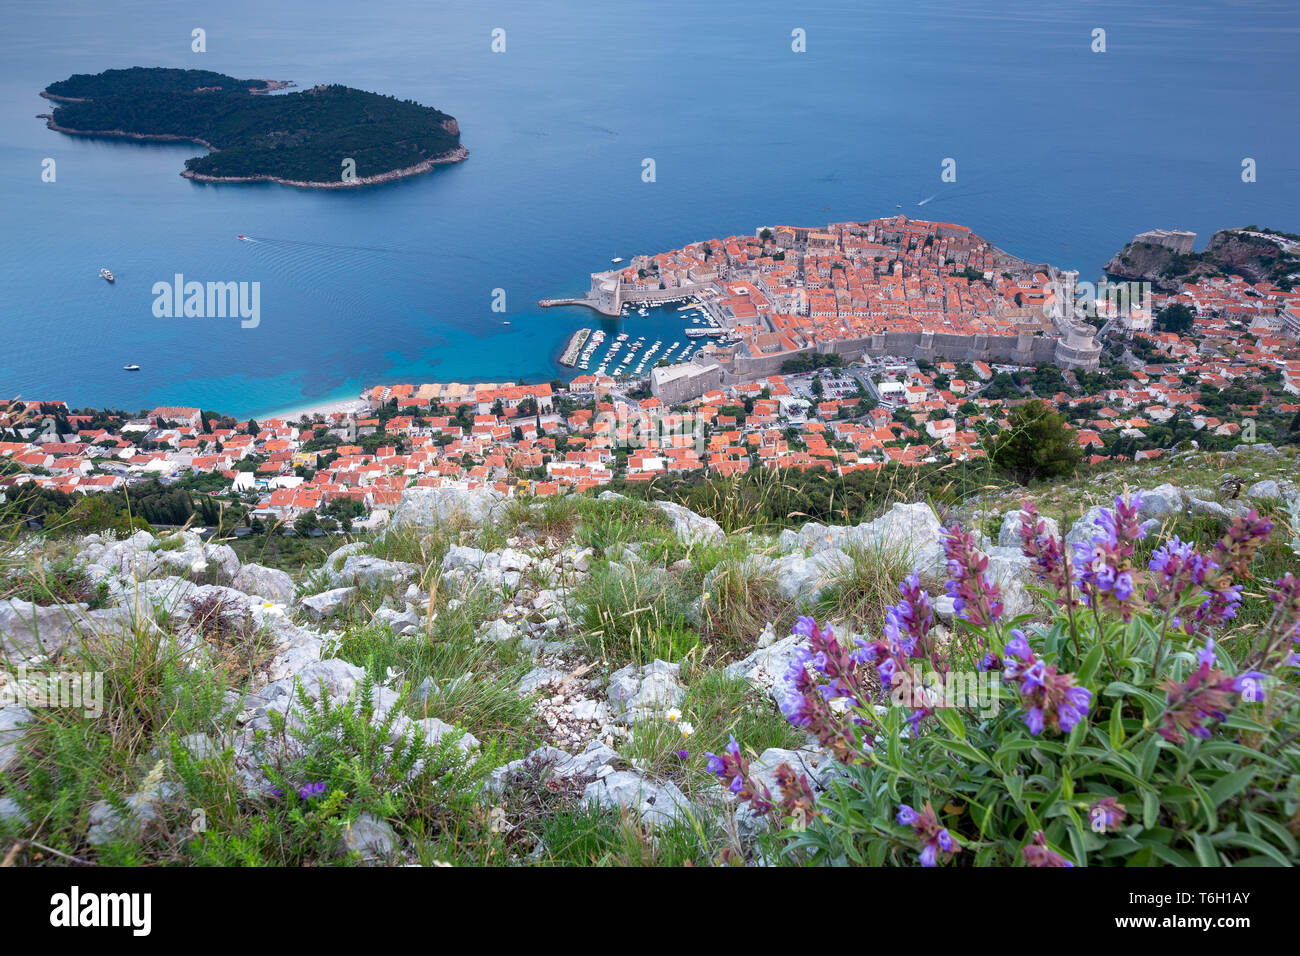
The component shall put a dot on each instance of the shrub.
(742, 598)
(58, 582)
(336, 761)
(634, 613)
(1131, 737)
(859, 591)
(461, 679)
(224, 623)
(605, 525)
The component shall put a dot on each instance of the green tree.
(1037, 443)
(1175, 317)
(305, 523)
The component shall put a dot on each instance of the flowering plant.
(1136, 726)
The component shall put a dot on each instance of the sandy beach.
(297, 412)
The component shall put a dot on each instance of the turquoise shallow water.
(1062, 155)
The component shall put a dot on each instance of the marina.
(631, 355)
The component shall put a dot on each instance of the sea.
(748, 114)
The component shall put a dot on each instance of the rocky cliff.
(1229, 252)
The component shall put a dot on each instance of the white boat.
(130, 368)
(617, 259)
(105, 274)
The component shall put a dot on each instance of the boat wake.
(302, 243)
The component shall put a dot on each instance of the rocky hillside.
(1230, 251)
(486, 681)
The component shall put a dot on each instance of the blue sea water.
(1062, 155)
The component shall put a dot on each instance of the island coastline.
(457, 153)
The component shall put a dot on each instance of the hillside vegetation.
(597, 680)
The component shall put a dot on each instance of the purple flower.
(1235, 549)
(1285, 595)
(1107, 815)
(1069, 714)
(823, 671)
(933, 838)
(1178, 566)
(975, 598)
(1033, 677)
(1047, 552)
(909, 621)
(1018, 646)
(1034, 720)
(683, 754)
(1038, 854)
(732, 768)
(1205, 697)
(1103, 565)
(1206, 654)
(1250, 686)
(1051, 699)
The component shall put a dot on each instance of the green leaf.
(1141, 858)
(1276, 828)
(1172, 857)
(1150, 753)
(963, 749)
(952, 722)
(1150, 809)
(1077, 735)
(1015, 785)
(1205, 852)
(1152, 704)
(1229, 785)
(1239, 721)
(1089, 666)
(1214, 748)
(1117, 735)
(1015, 746)
(1255, 843)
